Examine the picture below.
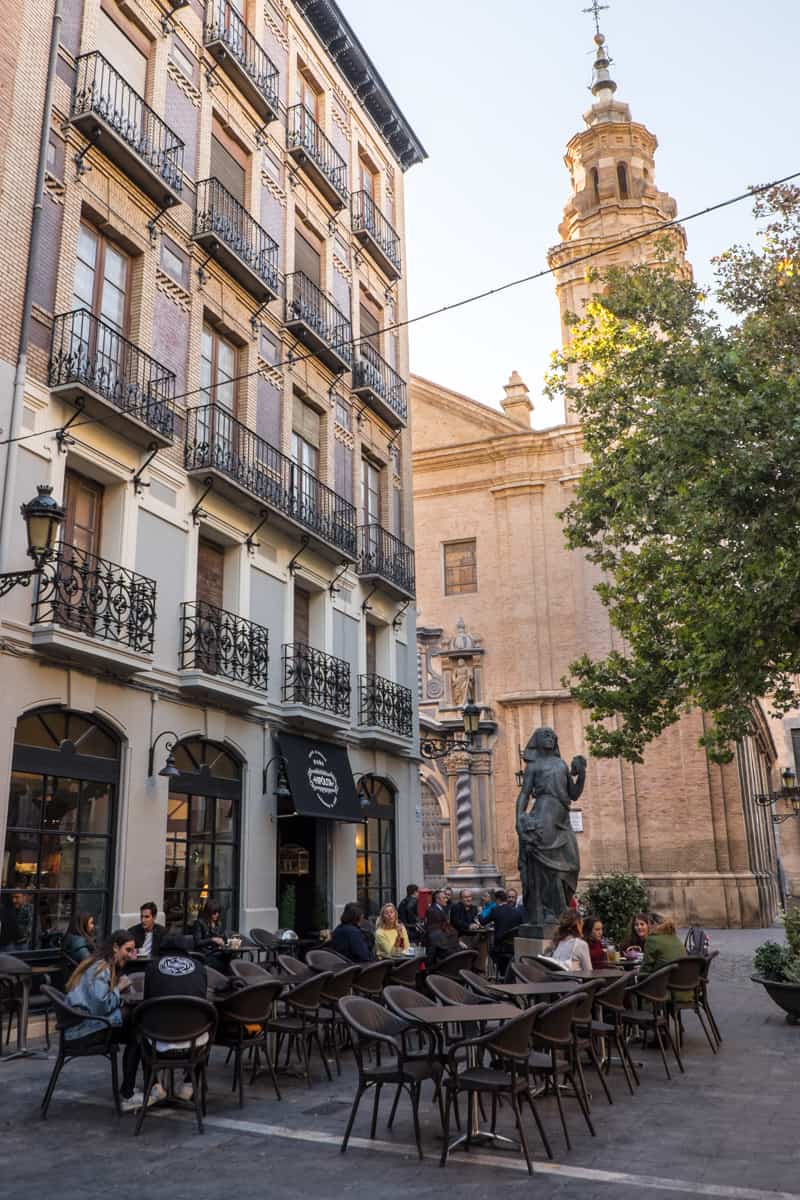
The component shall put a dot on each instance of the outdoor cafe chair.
(372, 979)
(450, 991)
(94, 1045)
(607, 1027)
(326, 960)
(655, 990)
(526, 970)
(11, 968)
(554, 1054)
(477, 984)
(587, 1037)
(405, 972)
(300, 1023)
(175, 1033)
(370, 1024)
(250, 972)
(292, 968)
(451, 967)
(242, 1022)
(688, 978)
(216, 980)
(703, 995)
(509, 1076)
(266, 943)
(340, 983)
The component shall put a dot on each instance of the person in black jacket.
(441, 939)
(147, 935)
(209, 936)
(505, 918)
(174, 973)
(79, 940)
(347, 938)
(464, 914)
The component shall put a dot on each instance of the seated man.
(174, 973)
(464, 914)
(147, 935)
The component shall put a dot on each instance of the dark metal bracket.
(138, 485)
(16, 579)
(332, 588)
(366, 606)
(81, 166)
(201, 270)
(62, 437)
(392, 441)
(360, 414)
(198, 512)
(167, 24)
(255, 324)
(398, 616)
(249, 541)
(211, 79)
(292, 564)
(152, 224)
(261, 140)
(294, 179)
(333, 226)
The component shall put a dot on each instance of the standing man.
(147, 935)
(407, 911)
(505, 918)
(464, 913)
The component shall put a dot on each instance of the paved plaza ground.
(727, 1128)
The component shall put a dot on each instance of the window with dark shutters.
(370, 327)
(307, 258)
(227, 169)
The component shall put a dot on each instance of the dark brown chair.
(340, 983)
(238, 1014)
(267, 944)
(452, 966)
(292, 968)
(178, 1019)
(217, 981)
(11, 968)
(327, 960)
(372, 978)
(371, 1025)
(300, 1023)
(688, 978)
(654, 1019)
(607, 1027)
(250, 972)
(406, 972)
(554, 1054)
(586, 1036)
(94, 1045)
(450, 991)
(703, 996)
(477, 984)
(527, 971)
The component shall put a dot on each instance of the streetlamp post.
(789, 792)
(43, 518)
(435, 746)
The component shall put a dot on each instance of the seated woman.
(78, 942)
(347, 938)
(569, 947)
(441, 939)
(209, 936)
(390, 934)
(96, 986)
(635, 941)
(487, 907)
(593, 932)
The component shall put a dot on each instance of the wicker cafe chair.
(703, 996)
(586, 1036)
(250, 972)
(300, 1023)
(528, 971)
(340, 983)
(554, 1054)
(326, 960)
(655, 990)
(243, 1019)
(267, 944)
(176, 1019)
(452, 966)
(371, 1025)
(406, 972)
(477, 984)
(688, 977)
(94, 1045)
(292, 968)
(372, 979)
(608, 1028)
(509, 1075)
(11, 968)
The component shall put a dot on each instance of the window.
(375, 846)
(101, 278)
(308, 256)
(370, 493)
(368, 177)
(172, 262)
(622, 180)
(183, 58)
(229, 162)
(305, 438)
(309, 95)
(460, 568)
(370, 323)
(596, 184)
(126, 49)
(59, 848)
(217, 371)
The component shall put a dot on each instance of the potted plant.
(778, 967)
(615, 899)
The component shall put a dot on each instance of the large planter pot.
(785, 995)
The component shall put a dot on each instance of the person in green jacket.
(663, 946)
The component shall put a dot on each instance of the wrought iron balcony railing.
(315, 679)
(218, 642)
(385, 704)
(90, 595)
(245, 249)
(217, 441)
(381, 554)
(87, 355)
(374, 378)
(375, 232)
(139, 138)
(309, 146)
(227, 37)
(318, 323)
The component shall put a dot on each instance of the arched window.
(376, 862)
(203, 821)
(435, 834)
(59, 848)
(622, 180)
(596, 184)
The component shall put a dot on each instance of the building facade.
(504, 607)
(215, 389)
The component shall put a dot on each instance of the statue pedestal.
(476, 876)
(531, 940)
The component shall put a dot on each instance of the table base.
(481, 1137)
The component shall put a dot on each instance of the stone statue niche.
(549, 860)
(461, 663)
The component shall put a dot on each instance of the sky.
(494, 90)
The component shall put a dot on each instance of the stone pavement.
(727, 1128)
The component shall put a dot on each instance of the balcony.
(223, 656)
(384, 707)
(245, 467)
(110, 113)
(230, 42)
(316, 156)
(386, 561)
(94, 612)
(318, 323)
(91, 364)
(246, 251)
(380, 240)
(316, 687)
(380, 385)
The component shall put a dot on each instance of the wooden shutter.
(305, 422)
(126, 58)
(372, 649)
(227, 170)
(307, 259)
(370, 326)
(302, 601)
(210, 573)
(84, 504)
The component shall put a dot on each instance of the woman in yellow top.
(391, 936)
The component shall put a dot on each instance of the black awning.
(320, 779)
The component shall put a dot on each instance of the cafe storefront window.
(376, 858)
(59, 846)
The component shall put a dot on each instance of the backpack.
(697, 941)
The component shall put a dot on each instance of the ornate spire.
(603, 86)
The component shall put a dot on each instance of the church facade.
(504, 608)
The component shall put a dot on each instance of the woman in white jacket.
(569, 947)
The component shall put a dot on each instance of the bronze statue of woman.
(549, 861)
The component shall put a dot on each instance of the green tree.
(690, 505)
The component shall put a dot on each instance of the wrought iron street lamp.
(440, 745)
(43, 518)
(789, 792)
(170, 769)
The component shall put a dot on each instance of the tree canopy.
(690, 503)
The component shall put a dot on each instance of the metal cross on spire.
(595, 10)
